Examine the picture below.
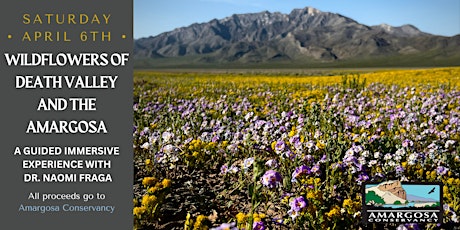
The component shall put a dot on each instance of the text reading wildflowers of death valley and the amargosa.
(72, 126)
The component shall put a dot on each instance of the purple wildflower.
(280, 146)
(169, 149)
(285, 194)
(167, 136)
(323, 158)
(299, 171)
(310, 144)
(272, 163)
(226, 226)
(298, 204)
(412, 227)
(399, 169)
(295, 141)
(308, 158)
(293, 214)
(258, 225)
(271, 178)
(247, 163)
(363, 177)
(234, 169)
(441, 170)
(224, 169)
(407, 143)
(283, 129)
(259, 124)
(278, 221)
(289, 155)
(145, 146)
(316, 169)
(338, 165)
(449, 143)
(145, 131)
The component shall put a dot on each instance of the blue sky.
(422, 190)
(441, 17)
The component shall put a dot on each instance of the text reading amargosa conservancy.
(66, 59)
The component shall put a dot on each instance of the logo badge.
(402, 202)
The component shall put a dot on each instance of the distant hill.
(419, 199)
(303, 38)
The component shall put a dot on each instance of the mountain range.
(414, 198)
(303, 38)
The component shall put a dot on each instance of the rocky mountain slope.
(390, 192)
(302, 36)
(393, 187)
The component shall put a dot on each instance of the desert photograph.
(271, 114)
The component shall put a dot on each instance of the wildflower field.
(289, 151)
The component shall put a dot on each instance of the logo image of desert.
(402, 202)
(395, 195)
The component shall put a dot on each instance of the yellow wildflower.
(188, 222)
(404, 164)
(321, 144)
(335, 211)
(445, 189)
(317, 180)
(166, 183)
(211, 145)
(420, 172)
(256, 217)
(199, 223)
(273, 145)
(285, 200)
(147, 181)
(311, 195)
(148, 200)
(152, 190)
(347, 203)
(138, 211)
(433, 174)
(240, 217)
